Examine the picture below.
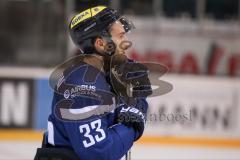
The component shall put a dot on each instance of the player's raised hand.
(129, 78)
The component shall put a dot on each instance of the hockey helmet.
(92, 23)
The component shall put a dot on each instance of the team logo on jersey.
(81, 88)
(66, 94)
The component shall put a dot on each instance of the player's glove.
(129, 79)
(132, 117)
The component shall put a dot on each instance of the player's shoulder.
(86, 83)
(89, 72)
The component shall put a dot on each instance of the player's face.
(118, 35)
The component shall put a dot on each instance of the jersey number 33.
(92, 133)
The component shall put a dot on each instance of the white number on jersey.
(86, 129)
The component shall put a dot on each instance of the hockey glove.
(129, 79)
(132, 117)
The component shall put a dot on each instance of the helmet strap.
(110, 48)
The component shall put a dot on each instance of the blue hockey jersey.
(83, 116)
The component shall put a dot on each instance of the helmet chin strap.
(110, 48)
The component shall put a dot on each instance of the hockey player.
(99, 105)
